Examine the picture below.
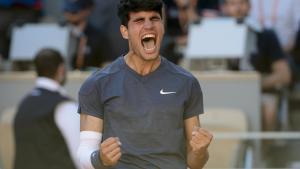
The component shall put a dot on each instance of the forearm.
(90, 138)
(197, 161)
(280, 76)
(89, 141)
(276, 80)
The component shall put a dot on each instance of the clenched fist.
(110, 151)
(200, 141)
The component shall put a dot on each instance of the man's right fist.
(110, 151)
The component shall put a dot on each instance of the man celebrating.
(146, 107)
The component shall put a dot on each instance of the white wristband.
(89, 142)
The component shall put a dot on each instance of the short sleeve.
(272, 45)
(194, 104)
(90, 99)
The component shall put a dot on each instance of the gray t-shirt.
(147, 112)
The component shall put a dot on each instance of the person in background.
(89, 50)
(108, 25)
(281, 15)
(179, 14)
(284, 18)
(268, 59)
(146, 107)
(16, 13)
(46, 125)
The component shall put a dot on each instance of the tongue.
(149, 44)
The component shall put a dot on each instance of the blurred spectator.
(91, 44)
(296, 51)
(46, 124)
(208, 8)
(284, 17)
(104, 18)
(268, 59)
(52, 11)
(179, 14)
(281, 15)
(16, 12)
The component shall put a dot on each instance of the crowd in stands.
(97, 27)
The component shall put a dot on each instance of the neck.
(141, 66)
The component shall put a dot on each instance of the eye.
(155, 18)
(138, 20)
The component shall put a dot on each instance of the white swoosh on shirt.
(164, 93)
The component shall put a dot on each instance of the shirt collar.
(49, 84)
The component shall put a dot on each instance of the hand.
(110, 151)
(200, 141)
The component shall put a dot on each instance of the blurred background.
(245, 54)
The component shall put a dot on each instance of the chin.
(150, 57)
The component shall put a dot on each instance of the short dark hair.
(47, 61)
(75, 6)
(225, 1)
(127, 6)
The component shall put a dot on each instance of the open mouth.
(149, 42)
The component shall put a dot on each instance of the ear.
(124, 31)
(60, 73)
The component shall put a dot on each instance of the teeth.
(150, 48)
(148, 36)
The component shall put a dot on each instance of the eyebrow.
(138, 18)
(143, 18)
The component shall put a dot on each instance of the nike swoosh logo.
(164, 93)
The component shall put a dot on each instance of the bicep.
(90, 123)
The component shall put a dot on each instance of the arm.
(197, 143)
(67, 120)
(109, 149)
(280, 76)
(91, 152)
(90, 123)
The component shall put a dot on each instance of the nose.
(148, 24)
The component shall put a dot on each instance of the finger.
(200, 136)
(118, 140)
(117, 157)
(114, 152)
(108, 141)
(193, 145)
(201, 140)
(110, 148)
(200, 130)
(203, 133)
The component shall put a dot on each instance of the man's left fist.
(200, 141)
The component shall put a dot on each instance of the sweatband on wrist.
(96, 161)
(89, 142)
